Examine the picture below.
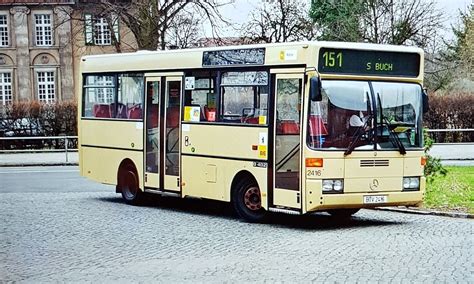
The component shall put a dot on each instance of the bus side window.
(98, 96)
(201, 99)
(244, 97)
(114, 96)
(130, 96)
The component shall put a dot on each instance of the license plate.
(374, 199)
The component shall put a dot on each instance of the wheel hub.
(252, 199)
(130, 187)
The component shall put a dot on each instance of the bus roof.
(303, 53)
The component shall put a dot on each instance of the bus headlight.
(411, 183)
(333, 186)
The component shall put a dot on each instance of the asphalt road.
(58, 227)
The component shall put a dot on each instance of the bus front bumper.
(360, 200)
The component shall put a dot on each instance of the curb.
(427, 212)
(38, 164)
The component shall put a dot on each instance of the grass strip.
(454, 192)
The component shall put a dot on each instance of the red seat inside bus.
(288, 127)
(135, 112)
(316, 126)
(101, 110)
(172, 117)
(118, 110)
(250, 120)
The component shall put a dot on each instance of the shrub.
(433, 165)
(32, 118)
(451, 111)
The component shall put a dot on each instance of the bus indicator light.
(423, 161)
(314, 162)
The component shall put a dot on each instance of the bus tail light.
(314, 162)
(423, 160)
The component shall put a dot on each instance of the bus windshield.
(346, 115)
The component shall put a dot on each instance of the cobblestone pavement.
(92, 236)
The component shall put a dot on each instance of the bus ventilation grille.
(374, 163)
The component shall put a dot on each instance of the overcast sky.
(239, 12)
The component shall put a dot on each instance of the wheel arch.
(126, 162)
(241, 175)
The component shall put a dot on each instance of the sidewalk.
(38, 159)
(459, 155)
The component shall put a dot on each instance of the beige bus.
(292, 128)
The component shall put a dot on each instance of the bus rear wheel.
(343, 213)
(247, 201)
(128, 185)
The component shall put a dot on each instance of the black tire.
(247, 201)
(128, 185)
(343, 213)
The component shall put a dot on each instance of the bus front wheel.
(343, 213)
(247, 201)
(128, 185)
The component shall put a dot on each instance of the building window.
(46, 86)
(98, 32)
(102, 32)
(43, 30)
(4, 31)
(6, 88)
(104, 95)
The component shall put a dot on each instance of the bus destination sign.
(248, 56)
(368, 62)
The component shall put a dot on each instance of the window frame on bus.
(116, 88)
(217, 87)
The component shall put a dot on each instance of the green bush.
(433, 165)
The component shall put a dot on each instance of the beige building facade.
(41, 43)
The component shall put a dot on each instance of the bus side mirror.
(315, 89)
(426, 106)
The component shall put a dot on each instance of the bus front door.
(162, 134)
(287, 155)
(171, 133)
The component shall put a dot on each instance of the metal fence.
(452, 135)
(67, 145)
(70, 142)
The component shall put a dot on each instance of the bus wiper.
(394, 137)
(361, 131)
(391, 132)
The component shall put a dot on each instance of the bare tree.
(408, 22)
(149, 20)
(83, 17)
(185, 30)
(279, 21)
